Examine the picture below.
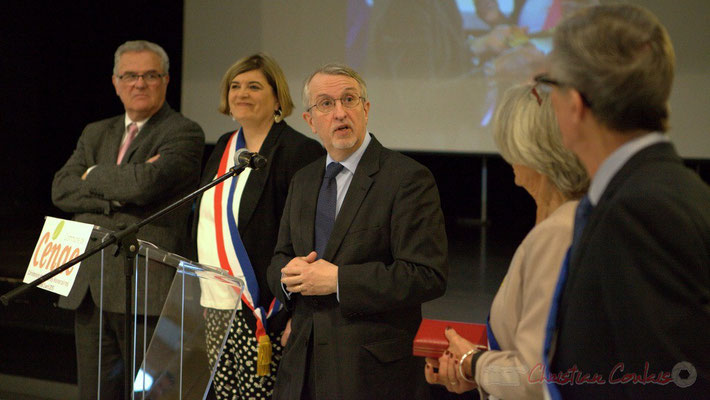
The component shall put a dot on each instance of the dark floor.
(36, 338)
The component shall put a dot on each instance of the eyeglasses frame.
(362, 100)
(141, 76)
(546, 80)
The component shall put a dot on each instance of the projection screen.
(434, 68)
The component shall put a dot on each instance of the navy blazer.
(638, 289)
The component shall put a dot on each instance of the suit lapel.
(307, 198)
(362, 181)
(257, 179)
(659, 152)
(117, 132)
(145, 132)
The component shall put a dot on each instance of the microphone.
(245, 158)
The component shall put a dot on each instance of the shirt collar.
(616, 160)
(353, 160)
(127, 121)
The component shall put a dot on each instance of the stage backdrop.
(434, 77)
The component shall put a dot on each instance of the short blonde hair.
(621, 58)
(334, 69)
(274, 76)
(526, 133)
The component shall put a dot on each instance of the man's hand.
(83, 177)
(309, 277)
(286, 334)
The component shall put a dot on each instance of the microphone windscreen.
(242, 157)
(258, 161)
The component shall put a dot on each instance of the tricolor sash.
(492, 342)
(233, 256)
(551, 329)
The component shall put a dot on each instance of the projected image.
(468, 51)
(435, 69)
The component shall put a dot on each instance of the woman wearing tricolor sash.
(236, 225)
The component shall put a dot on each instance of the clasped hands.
(445, 369)
(310, 277)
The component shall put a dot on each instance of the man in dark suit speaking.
(124, 169)
(631, 316)
(361, 246)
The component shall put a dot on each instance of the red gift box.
(431, 342)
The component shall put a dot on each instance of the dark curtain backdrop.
(56, 60)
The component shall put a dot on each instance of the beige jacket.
(520, 309)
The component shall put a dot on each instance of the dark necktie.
(584, 208)
(325, 210)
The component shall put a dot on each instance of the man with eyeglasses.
(124, 169)
(631, 314)
(361, 246)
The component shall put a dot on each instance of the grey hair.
(141, 45)
(334, 69)
(621, 58)
(526, 132)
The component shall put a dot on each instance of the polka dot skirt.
(235, 377)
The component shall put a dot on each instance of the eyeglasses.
(149, 77)
(327, 104)
(544, 83)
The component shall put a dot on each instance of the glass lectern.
(175, 362)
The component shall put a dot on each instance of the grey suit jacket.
(141, 187)
(390, 246)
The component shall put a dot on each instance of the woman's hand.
(444, 371)
(458, 346)
(449, 374)
(431, 371)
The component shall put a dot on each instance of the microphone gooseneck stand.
(127, 245)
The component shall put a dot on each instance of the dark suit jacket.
(264, 196)
(638, 288)
(143, 188)
(390, 247)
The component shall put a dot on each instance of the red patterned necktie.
(132, 130)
